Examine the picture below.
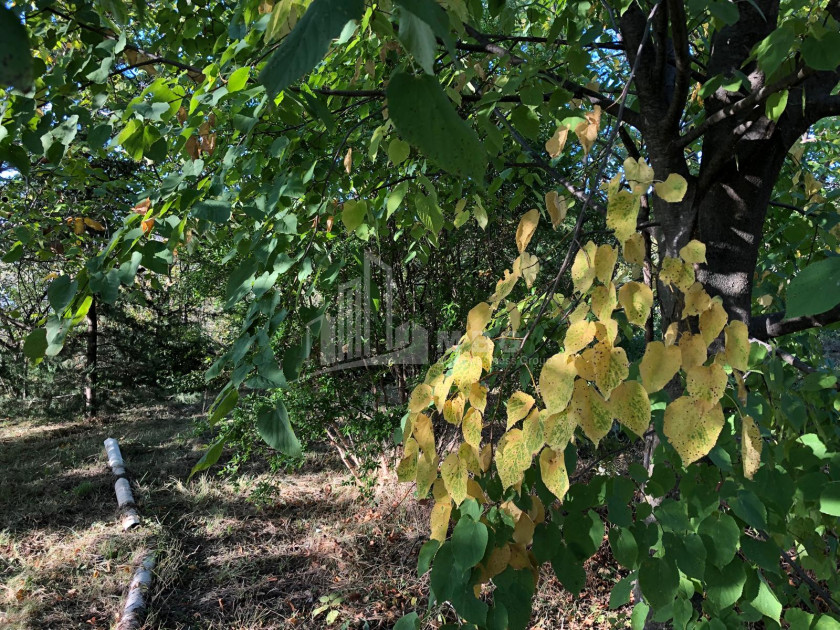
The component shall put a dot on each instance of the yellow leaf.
(737, 337)
(482, 347)
(556, 207)
(583, 268)
(427, 470)
(537, 511)
(422, 432)
(691, 429)
(604, 301)
(593, 413)
(558, 429)
(554, 145)
(518, 406)
(673, 189)
(686, 278)
(527, 227)
(485, 457)
(605, 259)
(556, 382)
(579, 314)
(466, 370)
(634, 249)
(504, 287)
(638, 174)
(696, 300)
(606, 331)
(532, 429)
(478, 396)
(587, 131)
(441, 391)
(750, 446)
(512, 458)
(694, 252)
(579, 335)
(472, 427)
(420, 398)
(407, 468)
(611, 367)
(692, 350)
(348, 161)
(712, 321)
(585, 364)
(477, 320)
(706, 384)
(742, 387)
(671, 271)
(453, 409)
(435, 375)
(453, 471)
(79, 226)
(636, 299)
(659, 365)
(94, 225)
(671, 334)
(498, 561)
(439, 519)
(474, 490)
(553, 472)
(622, 214)
(630, 405)
(523, 532)
(469, 457)
(529, 266)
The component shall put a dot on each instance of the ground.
(303, 550)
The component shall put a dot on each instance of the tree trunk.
(90, 362)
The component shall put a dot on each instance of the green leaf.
(409, 622)
(353, 214)
(213, 210)
(469, 541)
(427, 553)
(815, 289)
(276, 430)
(425, 117)
(209, 458)
(224, 404)
(238, 79)
(36, 344)
(720, 534)
(61, 292)
(398, 151)
(620, 594)
(774, 49)
(418, 39)
(14, 254)
(432, 14)
(15, 54)
(724, 586)
(569, 570)
(775, 106)
(767, 603)
(822, 53)
(514, 590)
(624, 547)
(830, 499)
(659, 580)
(308, 42)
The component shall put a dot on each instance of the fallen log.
(136, 602)
(129, 517)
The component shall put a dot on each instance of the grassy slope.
(223, 561)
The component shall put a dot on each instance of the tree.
(295, 132)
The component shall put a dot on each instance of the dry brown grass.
(223, 561)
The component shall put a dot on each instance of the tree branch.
(791, 360)
(765, 327)
(608, 105)
(682, 60)
(538, 40)
(746, 103)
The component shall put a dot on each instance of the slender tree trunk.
(90, 362)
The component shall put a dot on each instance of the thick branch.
(539, 40)
(682, 60)
(746, 103)
(764, 327)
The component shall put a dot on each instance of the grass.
(261, 551)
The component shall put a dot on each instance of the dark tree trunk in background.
(90, 362)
